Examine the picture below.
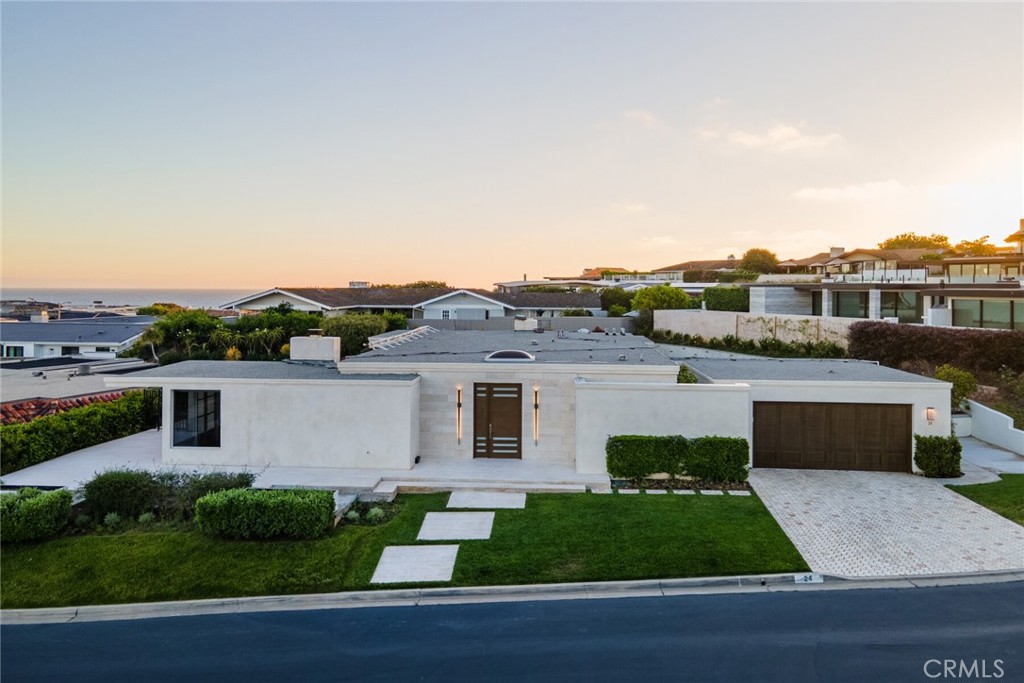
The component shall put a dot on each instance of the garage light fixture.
(536, 416)
(930, 414)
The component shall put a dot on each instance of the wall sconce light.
(458, 415)
(930, 414)
(536, 415)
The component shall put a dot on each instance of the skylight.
(510, 356)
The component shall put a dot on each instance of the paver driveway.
(886, 524)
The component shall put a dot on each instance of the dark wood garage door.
(497, 421)
(833, 436)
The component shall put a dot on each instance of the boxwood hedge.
(31, 515)
(256, 514)
(710, 458)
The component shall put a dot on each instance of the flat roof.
(225, 369)
(800, 370)
(569, 348)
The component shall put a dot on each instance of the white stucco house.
(56, 338)
(456, 397)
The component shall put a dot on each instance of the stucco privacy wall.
(605, 409)
(995, 428)
(787, 328)
(332, 423)
(558, 413)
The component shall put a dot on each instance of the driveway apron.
(860, 524)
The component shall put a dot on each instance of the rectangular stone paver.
(451, 526)
(629, 491)
(487, 500)
(712, 492)
(414, 563)
(685, 492)
(655, 492)
(739, 493)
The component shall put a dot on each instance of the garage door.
(833, 436)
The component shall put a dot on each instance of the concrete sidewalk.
(483, 594)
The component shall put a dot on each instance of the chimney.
(834, 252)
(315, 347)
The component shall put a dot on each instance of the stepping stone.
(451, 526)
(628, 491)
(600, 491)
(715, 492)
(656, 492)
(415, 563)
(487, 500)
(685, 492)
(739, 493)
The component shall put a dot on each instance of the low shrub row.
(766, 346)
(168, 495)
(30, 443)
(709, 458)
(937, 456)
(727, 299)
(32, 515)
(255, 514)
(975, 350)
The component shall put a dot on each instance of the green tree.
(184, 332)
(978, 247)
(575, 312)
(159, 309)
(964, 384)
(660, 298)
(354, 329)
(616, 296)
(759, 261)
(418, 284)
(910, 240)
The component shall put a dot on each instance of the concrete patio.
(142, 451)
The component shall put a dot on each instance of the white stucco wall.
(607, 408)
(995, 428)
(275, 299)
(557, 397)
(788, 328)
(329, 423)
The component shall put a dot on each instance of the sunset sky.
(253, 145)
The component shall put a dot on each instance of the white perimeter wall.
(333, 423)
(995, 428)
(608, 409)
(787, 328)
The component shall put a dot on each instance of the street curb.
(412, 597)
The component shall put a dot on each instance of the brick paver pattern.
(886, 524)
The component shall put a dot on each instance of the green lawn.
(1005, 497)
(558, 537)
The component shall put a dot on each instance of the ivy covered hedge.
(256, 514)
(727, 299)
(31, 515)
(710, 458)
(30, 443)
(972, 349)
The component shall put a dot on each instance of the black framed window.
(196, 418)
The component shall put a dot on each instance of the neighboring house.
(675, 272)
(421, 303)
(16, 412)
(93, 339)
(443, 396)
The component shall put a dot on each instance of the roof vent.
(622, 356)
(510, 356)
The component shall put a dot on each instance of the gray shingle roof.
(446, 346)
(799, 369)
(408, 297)
(70, 332)
(222, 369)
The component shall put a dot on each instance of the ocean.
(190, 298)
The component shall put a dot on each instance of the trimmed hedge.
(975, 350)
(711, 458)
(938, 456)
(128, 493)
(30, 443)
(636, 457)
(256, 514)
(718, 458)
(727, 299)
(31, 515)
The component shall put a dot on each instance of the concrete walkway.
(860, 524)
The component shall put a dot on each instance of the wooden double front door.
(497, 420)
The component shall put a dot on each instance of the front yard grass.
(1004, 497)
(557, 538)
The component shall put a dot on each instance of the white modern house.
(58, 338)
(545, 398)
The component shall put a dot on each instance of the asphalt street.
(825, 635)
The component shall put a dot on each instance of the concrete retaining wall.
(995, 428)
(787, 328)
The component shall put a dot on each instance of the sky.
(253, 145)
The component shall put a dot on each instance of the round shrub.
(112, 520)
(938, 456)
(374, 515)
(32, 515)
(128, 493)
